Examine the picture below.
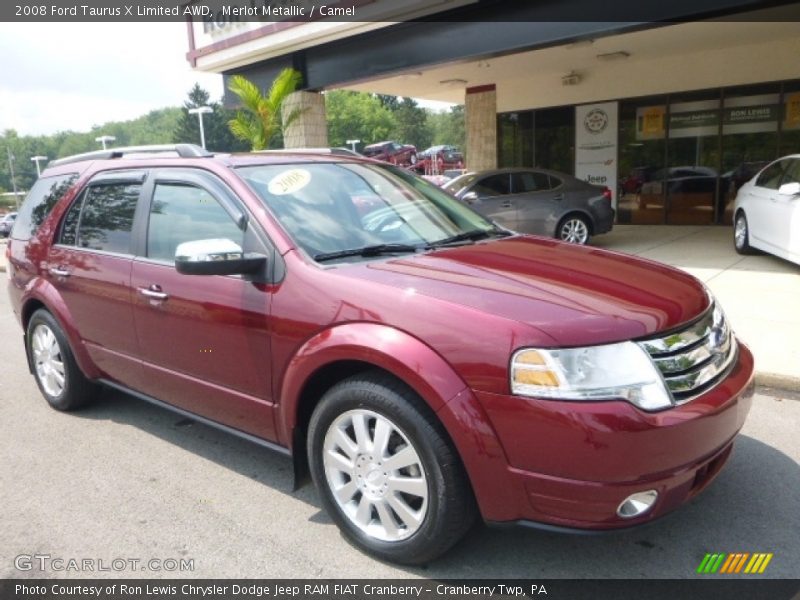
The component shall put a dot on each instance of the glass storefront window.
(515, 139)
(555, 139)
(790, 122)
(750, 118)
(642, 154)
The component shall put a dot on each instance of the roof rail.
(181, 150)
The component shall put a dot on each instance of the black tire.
(447, 512)
(741, 235)
(574, 229)
(76, 390)
(412, 159)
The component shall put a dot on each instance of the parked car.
(427, 366)
(767, 211)
(436, 159)
(538, 201)
(632, 184)
(404, 155)
(6, 223)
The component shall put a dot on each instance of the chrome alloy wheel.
(375, 475)
(574, 231)
(740, 232)
(48, 361)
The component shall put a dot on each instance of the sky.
(71, 76)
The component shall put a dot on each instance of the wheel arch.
(345, 350)
(44, 296)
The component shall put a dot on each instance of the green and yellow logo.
(738, 562)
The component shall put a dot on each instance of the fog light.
(637, 504)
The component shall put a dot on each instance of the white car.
(767, 211)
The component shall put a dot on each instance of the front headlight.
(621, 370)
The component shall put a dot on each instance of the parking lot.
(125, 480)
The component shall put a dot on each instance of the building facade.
(672, 107)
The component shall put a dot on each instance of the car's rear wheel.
(573, 229)
(413, 159)
(741, 235)
(57, 374)
(386, 472)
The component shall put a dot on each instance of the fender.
(43, 291)
(397, 352)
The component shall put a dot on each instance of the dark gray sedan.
(538, 201)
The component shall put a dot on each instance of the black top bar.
(182, 150)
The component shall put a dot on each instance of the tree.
(260, 118)
(357, 116)
(215, 124)
(448, 127)
(412, 124)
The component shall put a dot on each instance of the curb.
(778, 380)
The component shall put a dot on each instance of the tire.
(574, 229)
(57, 374)
(415, 509)
(412, 159)
(741, 235)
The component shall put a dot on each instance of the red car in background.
(404, 155)
(436, 159)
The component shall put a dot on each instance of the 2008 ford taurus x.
(427, 366)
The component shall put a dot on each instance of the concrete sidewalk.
(760, 294)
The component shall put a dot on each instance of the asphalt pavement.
(122, 483)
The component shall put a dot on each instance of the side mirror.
(790, 189)
(216, 257)
(470, 197)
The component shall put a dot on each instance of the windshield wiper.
(366, 251)
(471, 236)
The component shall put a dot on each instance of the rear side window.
(106, 218)
(530, 182)
(44, 195)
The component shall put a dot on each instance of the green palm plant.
(260, 115)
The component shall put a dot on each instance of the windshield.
(328, 208)
(454, 186)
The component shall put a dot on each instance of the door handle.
(558, 197)
(58, 272)
(506, 204)
(153, 292)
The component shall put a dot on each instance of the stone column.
(480, 108)
(309, 129)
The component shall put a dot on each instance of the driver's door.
(204, 340)
(493, 199)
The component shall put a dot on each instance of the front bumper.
(571, 464)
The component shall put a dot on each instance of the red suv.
(428, 366)
(392, 152)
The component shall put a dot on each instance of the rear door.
(90, 266)
(539, 201)
(204, 340)
(494, 199)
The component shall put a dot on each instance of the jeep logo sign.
(596, 128)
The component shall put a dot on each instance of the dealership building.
(672, 106)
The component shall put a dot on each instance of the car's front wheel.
(386, 472)
(573, 229)
(57, 374)
(741, 235)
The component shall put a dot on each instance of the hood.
(577, 295)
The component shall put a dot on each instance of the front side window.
(44, 195)
(183, 213)
(772, 176)
(335, 207)
(106, 219)
(494, 185)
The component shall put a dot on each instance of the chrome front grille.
(693, 359)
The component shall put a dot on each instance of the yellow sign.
(650, 122)
(792, 120)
